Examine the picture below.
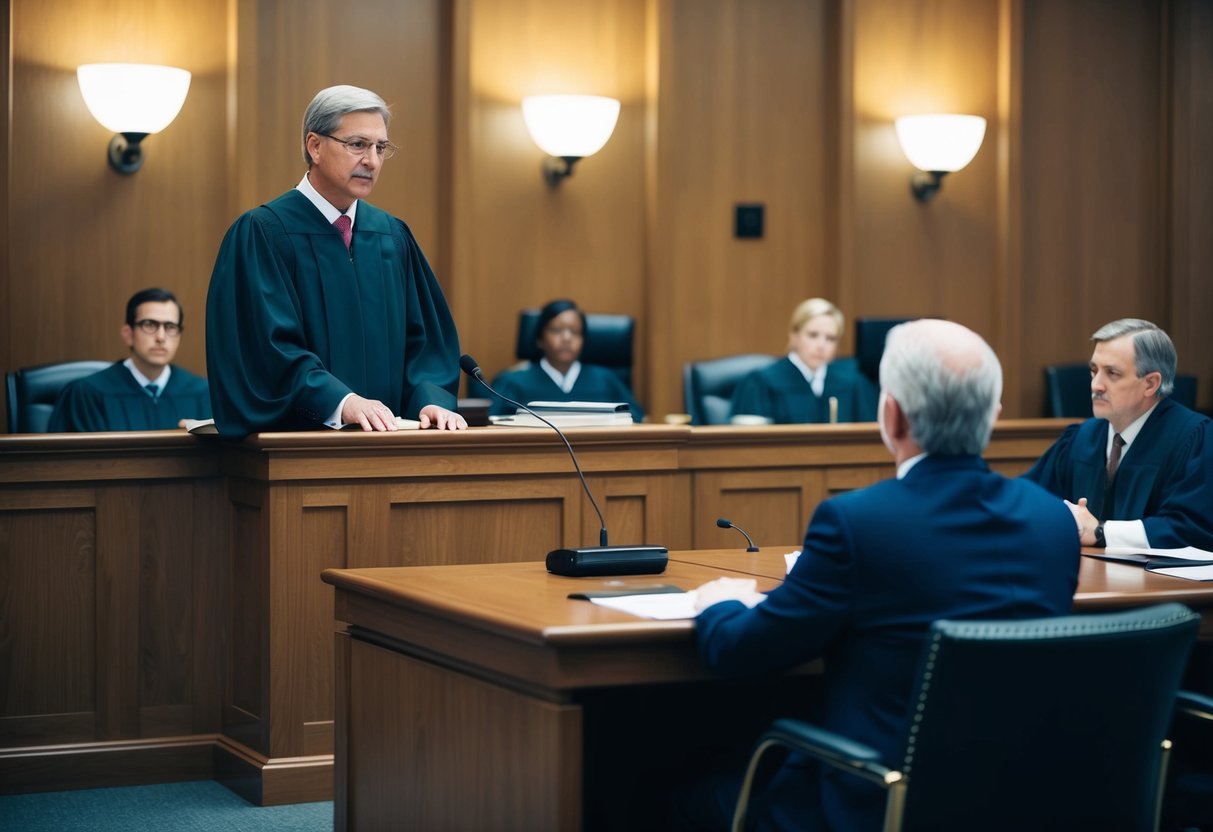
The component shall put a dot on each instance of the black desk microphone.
(591, 560)
(728, 524)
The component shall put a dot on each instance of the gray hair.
(1153, 351)
(949, 387)
(330, 105)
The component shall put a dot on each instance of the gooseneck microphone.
(594, 560)
(728, 524)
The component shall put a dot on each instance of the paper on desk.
(664, 606)
(1192, 573)
(790, 559)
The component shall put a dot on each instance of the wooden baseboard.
(49, 768)
(272, 781)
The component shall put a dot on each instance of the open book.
(1154, 559)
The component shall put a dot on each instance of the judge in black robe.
(112, 400)
(1161, 492)
(532, 383)
(303, 331)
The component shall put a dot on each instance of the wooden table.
(481, 696)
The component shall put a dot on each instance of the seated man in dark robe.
(1138, 473)
(560, 376)
(146, 391)
(322, 309)
(808, 386)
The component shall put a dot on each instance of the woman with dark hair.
(560, 376)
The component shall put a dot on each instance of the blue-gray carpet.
(201, 806)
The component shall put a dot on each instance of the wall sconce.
(134, 101)
(568, 128)
(937, 145)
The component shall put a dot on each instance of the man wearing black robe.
(144, 392)
(322, 308)
(1138, 473)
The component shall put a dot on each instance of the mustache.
(1098, 397)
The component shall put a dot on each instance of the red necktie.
(345, 226)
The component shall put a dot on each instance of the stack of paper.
(570, 415)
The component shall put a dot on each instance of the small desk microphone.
(591, 560)
(728, 524)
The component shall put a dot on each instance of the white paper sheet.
(663, 606)
(1191, 573)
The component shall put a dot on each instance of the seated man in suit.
(1140, 472)
(946, 538)
(805, 386)
(144, 392)
(560, 376)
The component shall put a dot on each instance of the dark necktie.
(345, 226)
(1118, 442)
(153, 390)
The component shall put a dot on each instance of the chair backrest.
(707, 386)
(870, 335)
(1045, 724)
(32, 392)
(1068, 391)
(608, 341)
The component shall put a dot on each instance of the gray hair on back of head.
(950, 397)
(1153, 351)
(331, 104)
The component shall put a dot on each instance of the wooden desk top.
(504, 616)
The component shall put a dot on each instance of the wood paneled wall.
(1088, 201)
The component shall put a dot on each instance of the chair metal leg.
(1163, 762)
(894, 807)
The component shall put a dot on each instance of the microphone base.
(752, 549)
(593, 561)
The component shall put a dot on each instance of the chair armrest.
(1194, 704)
(829, 747)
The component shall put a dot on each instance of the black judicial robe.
(781, 393)
(1165, 478)
(532, 384)
(112, 400)
(294, 322)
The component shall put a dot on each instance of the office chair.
(1068, 391)
(1043, 724)
(608, 342)
(870, 335)
(1188, 803)
(707, 386)
(32, 392)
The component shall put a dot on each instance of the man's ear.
(128, 335)
(1153, 382)
(895, 419)
(312, 143)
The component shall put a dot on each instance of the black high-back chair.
(608, 341)
(707, 386)
(870, 335)
(32, 392)
(1044, 724)
(1068, 391)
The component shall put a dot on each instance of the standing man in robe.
(144, 392)
(1139, 473)
(322, 308)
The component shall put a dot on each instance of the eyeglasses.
(358, 146)
(151, 327)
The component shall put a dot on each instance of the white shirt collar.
(564, 382)
(1129, 433)
(815, 378)
(161, 380)
(323, 205)
(904, 468)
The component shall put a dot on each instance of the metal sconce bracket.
(556, 168)
(925, 183)
(126, 152)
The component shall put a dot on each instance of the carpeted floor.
(201, 806)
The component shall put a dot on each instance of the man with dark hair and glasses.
(144, 392)
(322, 308)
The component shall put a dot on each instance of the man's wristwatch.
(1100, 542)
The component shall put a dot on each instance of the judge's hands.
(439, 418)
(744, 590)
(370, 413)
(1085, 519)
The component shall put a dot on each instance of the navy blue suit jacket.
(879, 565)
(1165, 478)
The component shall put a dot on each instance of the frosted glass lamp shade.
(942, 142)
(133, 98)
(570, 125)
